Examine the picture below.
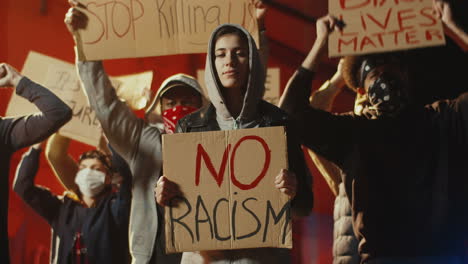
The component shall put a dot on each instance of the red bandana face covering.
(171, 116)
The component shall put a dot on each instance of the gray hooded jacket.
(140, 145)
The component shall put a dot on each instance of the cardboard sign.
(230, 200)
(140, 28)
(61, 77)
(385, 25)
(272, 84)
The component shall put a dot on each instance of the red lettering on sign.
(341, 42)
(377, 22)
(343, 4)
(430, 33)
(427, 13)
(218, 176)
(379, 38)
(366, 41)
(103, 30)
(395, 36)
(402, 18)
(118, 18)
(411, 37)
(266, 163)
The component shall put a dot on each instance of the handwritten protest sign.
(272, 84)
(230, 200)
(61, 77)
(384, 25)
(140, 28)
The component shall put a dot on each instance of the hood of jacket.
(171, 82)
(255, 82)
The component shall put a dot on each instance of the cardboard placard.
(272, 84)
(61, 78)
(377, 26)
(141, 28)
(230, 200)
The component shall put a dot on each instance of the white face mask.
(91, 182)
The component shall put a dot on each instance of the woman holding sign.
(19, 132)
(235, 81)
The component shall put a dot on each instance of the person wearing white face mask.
(92, 228)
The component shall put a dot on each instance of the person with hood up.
(403, 165)
(91, 228)
(22, 131)
(177, 96)
(235, 81)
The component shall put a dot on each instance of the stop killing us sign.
(229, 197)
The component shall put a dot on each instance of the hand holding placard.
(286, 182)
(165, 191)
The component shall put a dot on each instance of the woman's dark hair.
(99, 155)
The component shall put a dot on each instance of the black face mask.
(386, 96)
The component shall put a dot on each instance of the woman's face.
(232, 61)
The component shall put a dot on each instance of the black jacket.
(406, 177)
(104, 228)
(19, 132)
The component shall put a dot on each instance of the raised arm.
(323, 99)
(295, 97)
(63, 165)
(320, 131)
(23, 131)
(39, 199)
(264, 47)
